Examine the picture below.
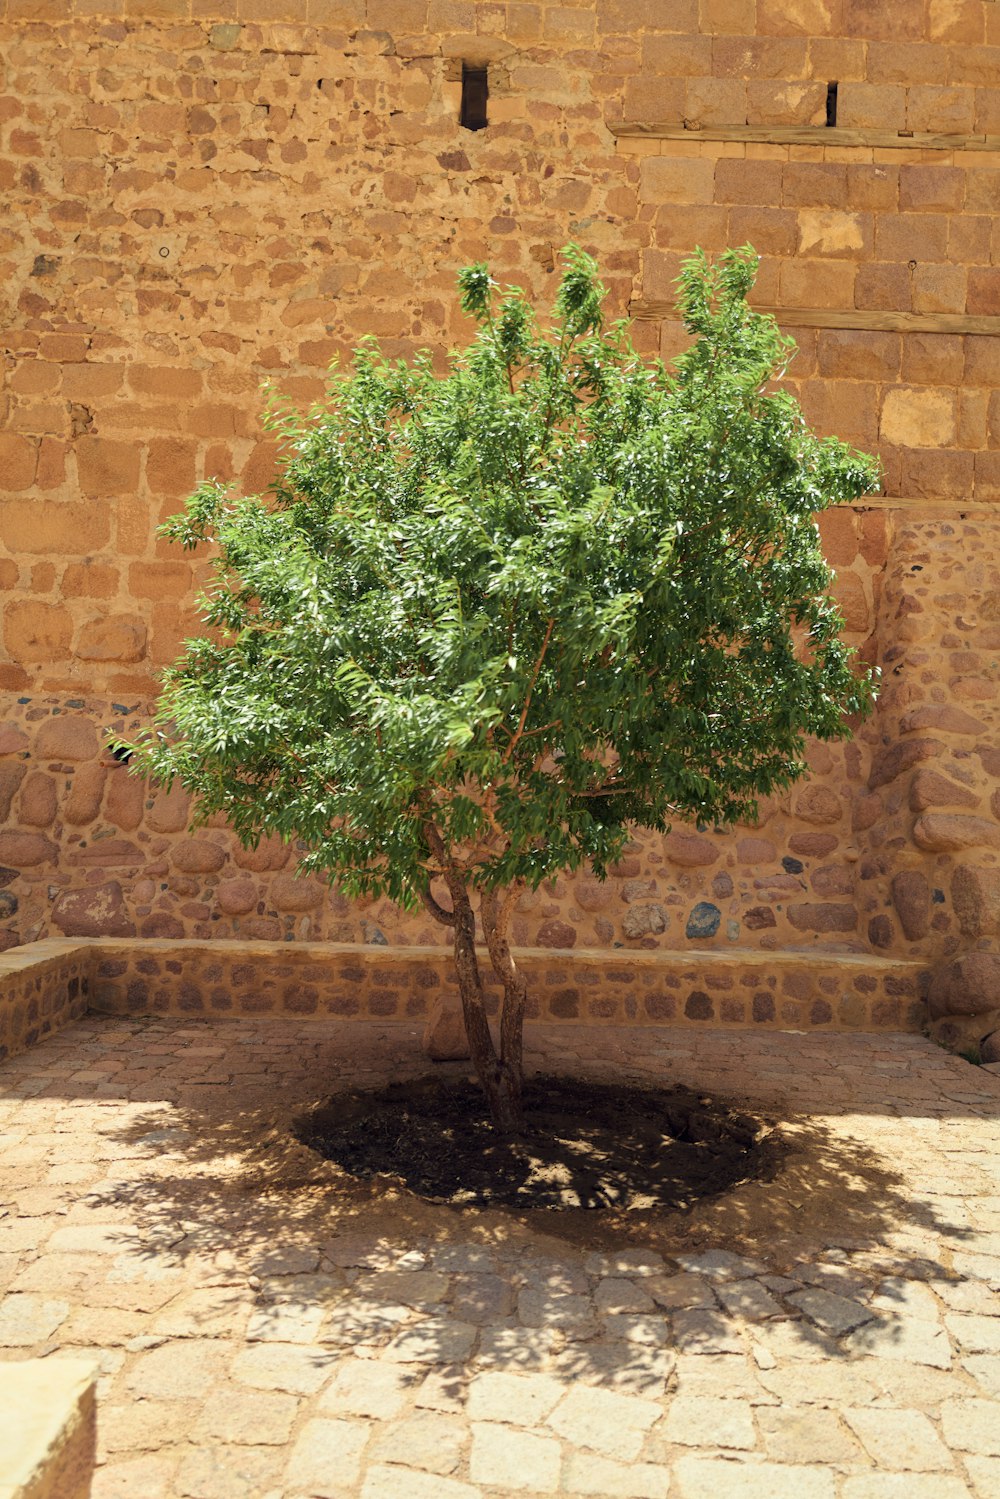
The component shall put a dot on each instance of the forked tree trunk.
(500, 1072)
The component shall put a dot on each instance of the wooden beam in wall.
(803, 135)
(830, 317)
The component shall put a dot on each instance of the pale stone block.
(245, 1417)
(614, 1295)
(284, 1322)
(27, 1320)
(836, 1315)
(407, 1483)
(177, 1371)
(292, 1367)
(433, 1341)
(611, 1423)
(905, 1486)
(972, 1426)
(47, 1429)
(906, 1340)
(702, 1421)
(716, 1478)
(899, 1440)
(681, 1291)
(807, 1435)
(587, 1473)
(698, 1331)
(521, 1399)
(975, 1334)
(427, 1440)
(326, 1458)
(511, 1459)
(748, 1300)
(366, 1387)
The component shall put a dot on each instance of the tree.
(489, 620)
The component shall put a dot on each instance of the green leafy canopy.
(496, 617)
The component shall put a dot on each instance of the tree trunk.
(496, 916)
(500, 1076)
(500, 1083)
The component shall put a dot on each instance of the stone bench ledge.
(48, 1429)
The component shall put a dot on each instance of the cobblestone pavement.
(267, 1330)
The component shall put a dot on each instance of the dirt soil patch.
(586, 1145)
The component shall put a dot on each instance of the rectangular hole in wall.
(475, 93)
(831, 104)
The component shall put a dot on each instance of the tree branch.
(446, 918)
(531, 687)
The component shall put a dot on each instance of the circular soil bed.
(586, 1144)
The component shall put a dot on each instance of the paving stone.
(326, 1458)
(406, 1483)
(630, 1368)
(26, 1320)
(609, 1422)
(515, 1347)
(907, 1340)
(748, 1300)
(808, 1434)
(626, 1262)
(366, 1388)
(517, 1399)
(586, 1473)
(288, 1260)
(284, 1322)
(899, 1440)
(463, 1259)
(984, 1475)
(704, 1421)
(251, 1417)
(985, 1370)
(357, 1321)
(426, 1440)
(227, 1472)
(684, 1290)
(178, 1371)
(548, 1309)
(974, 1334)
(836, 1315)
(148, 1477)
(481, 1299)
(506, 1458)
(734, 1375)
(98, 1238)
(144, 1425)
(910, 1298)
(298, 1369)
(441, 1389)
(905, 1486)
(613, 1295)
(972, 1426)
(416, 1288)
(651, 1332)
(698, 1331)
(435, 1340)
(215, 1312)
(719, 1264)
(915, 1386)
(716, 1478)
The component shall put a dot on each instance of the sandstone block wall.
(43, 986)
(778, 991)
(209, 192)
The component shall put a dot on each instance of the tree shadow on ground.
(210, 1185)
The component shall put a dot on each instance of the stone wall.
(206, 193)
(774, 990)
(43, 986)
